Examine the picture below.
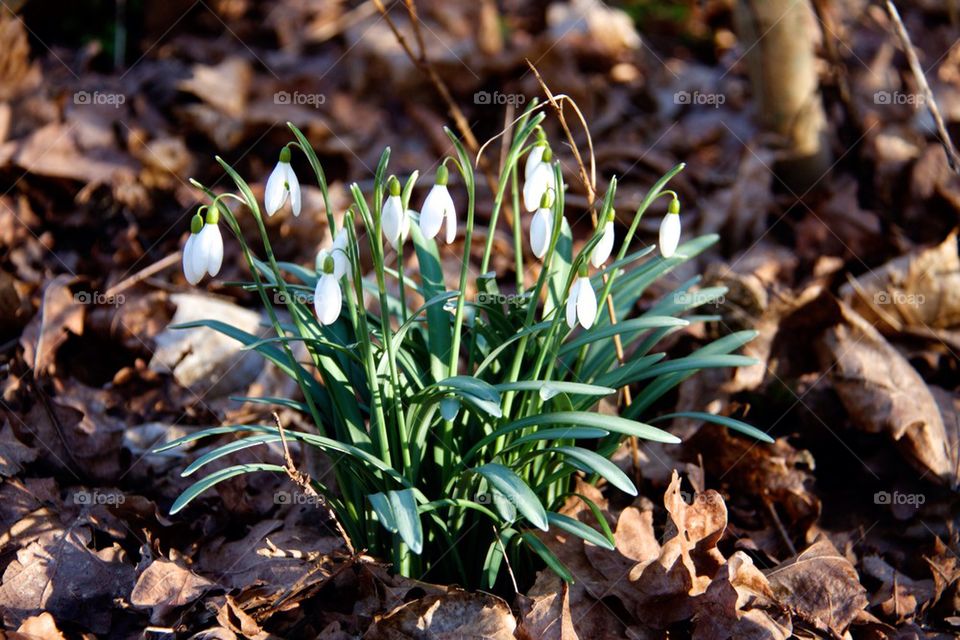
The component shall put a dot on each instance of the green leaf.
(550, 388)
(227, 449)
(615, 424)
(565, 433)
(517, 491)
(627, 326)
(200, 486)
(384, 510)
(280, 402)
(439, 321)
(726, 421)
(595, 463)
(579, 529)
(547, 556)
(404, 507)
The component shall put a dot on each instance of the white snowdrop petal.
(294, 186)
(533, 189)
(533, 159)
(327, 299)
(451, 225)
(604, 248)
(189, 272)
(275, 192)
(213, 244)
(432, 212)
(572, 304)
(200, 257)
(586, 303)
(669, 234)
(392, 219)
(540, 232)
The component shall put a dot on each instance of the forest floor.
(845, 527)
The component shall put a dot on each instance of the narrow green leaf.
(384, 510)
(404, 507)
(732, 423)
(200, 486)
(579, 529)
(517, 491)
(595, 463)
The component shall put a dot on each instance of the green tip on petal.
(611, 216)
(547, 200)
(285, 155)
(196, 223)
(328, 264)
(547, 155)
(583, 271)
(443, 175)
(393, 185)
(213, 215)
(674, 206)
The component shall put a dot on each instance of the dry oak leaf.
(165, 585)
(883, 393)
(447, 617)
(13, 453)
(42, 626)
(919, 290)
(59, 573)
(821, 585)
(545, 611)
(688, 559)
(899, 596)
(59, 314)
(740, 604)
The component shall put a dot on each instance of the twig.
(143, 274)
(953, 158)
(780, 528)
(302, 480)
(506, 559)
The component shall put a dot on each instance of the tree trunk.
(779, 37)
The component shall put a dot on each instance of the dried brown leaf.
(822, 585)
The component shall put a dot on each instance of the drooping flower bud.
(282, 181)
(670, 229)
(438, 208)
(581, 302)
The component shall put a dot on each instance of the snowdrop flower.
(670, 229)
(393, 217)
(603, 249)
(203, 252)
(282, 181)
(541, 227)
(438, 207)
(538, 182)
(582, 302)
(534, 158)
(327, 298)
(338, 253)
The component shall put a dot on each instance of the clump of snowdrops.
(455, 425)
